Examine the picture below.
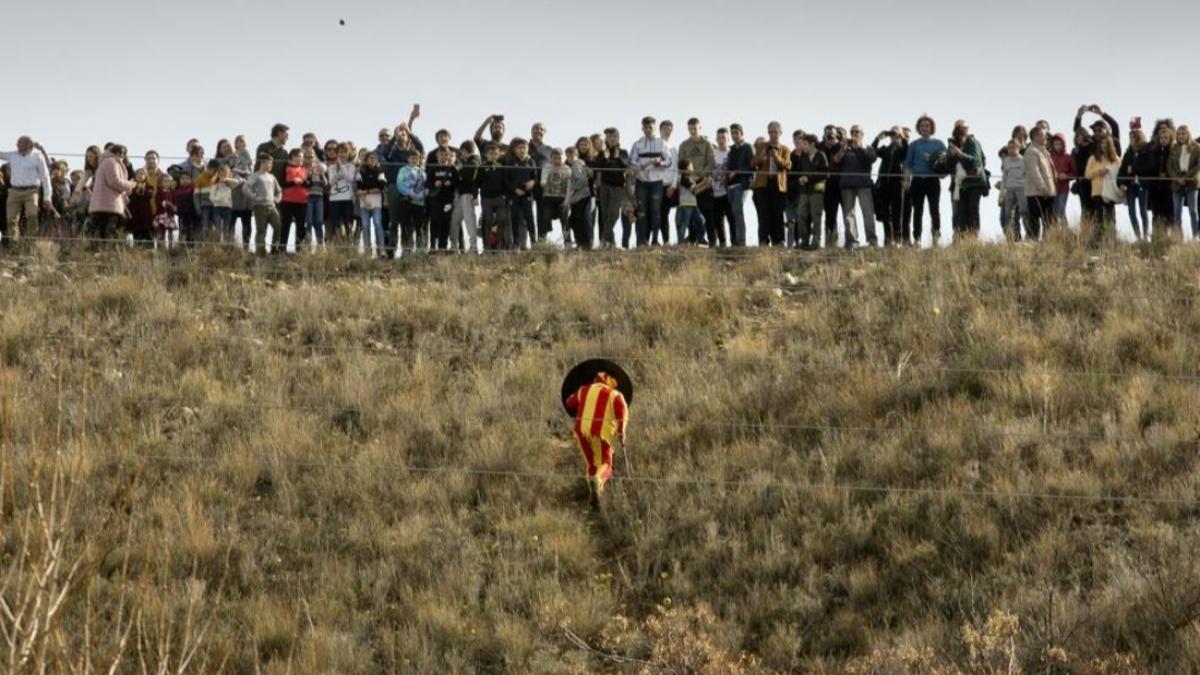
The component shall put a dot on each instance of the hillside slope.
(908, 461)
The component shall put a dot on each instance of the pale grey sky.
(152, 73)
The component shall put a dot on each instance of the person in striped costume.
(601, 416)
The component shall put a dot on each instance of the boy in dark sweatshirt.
(466, 199)
(812, 170)
(521, 176)
(493, 198)
(442, 180)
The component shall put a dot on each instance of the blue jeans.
(649, 210)
(222, 217)
(372, 221)
(687, 218)
(1060, 206)
(1135, 201)
(1187, 198)
(314, 215)
(737, 221)
(206, 218)
(521, 224)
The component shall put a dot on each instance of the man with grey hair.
(29, 191)
(856, 161)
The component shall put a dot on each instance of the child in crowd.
(141, 208)
(493, 199)
(203, 196)
(221, 197)
(812, 167)
(442, 182)
(314, 213)
(243, 202)
(1015, 209)
(165, 228)
(689, 222)
(370, 184)
(185, 206)
(343, 176)
(294, 206)
(243, 163)
(411, 184)
(556, 187)
(579, 200)
(60, 189)
(81, 197)
(466, 199)
(521, 178)
(266, 194)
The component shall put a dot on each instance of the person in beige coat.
(1040, 187)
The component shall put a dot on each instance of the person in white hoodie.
(652, 161)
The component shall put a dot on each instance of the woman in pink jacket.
(109, 206)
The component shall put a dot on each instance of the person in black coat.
(1153, 173)
(892, 205)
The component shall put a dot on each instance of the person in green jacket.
(969, 182)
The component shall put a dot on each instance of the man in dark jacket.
(276, 149)
(612, 169)
(738, 173)
(856, 162)
(831, 147)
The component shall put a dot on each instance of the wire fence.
(714, 358)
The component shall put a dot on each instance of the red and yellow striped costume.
(601, 416)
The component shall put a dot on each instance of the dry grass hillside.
(976, 460)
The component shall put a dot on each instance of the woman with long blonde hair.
(1183, 166)
(1103, 162)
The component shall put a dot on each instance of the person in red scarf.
(601, 416)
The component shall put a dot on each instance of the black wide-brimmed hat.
(585, 373)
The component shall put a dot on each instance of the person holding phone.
(968, 165)
(494, 125)
(856, 161)
(893, 208)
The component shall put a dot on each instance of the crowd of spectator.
(495, 192)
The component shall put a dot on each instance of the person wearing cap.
(1106, 127)
(601, 416)
(29, 188)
